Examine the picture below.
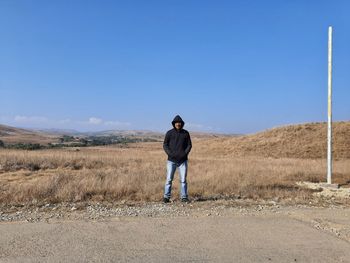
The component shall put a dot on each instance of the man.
(177, 144)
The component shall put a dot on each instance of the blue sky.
(224, 66)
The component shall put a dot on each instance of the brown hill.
(293, 141)
(11, 135)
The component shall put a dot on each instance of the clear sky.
(224, 66)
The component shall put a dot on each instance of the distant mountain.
(123, 132)
(59, 131)
(12, 135)
(194, 134)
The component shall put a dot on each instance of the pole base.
(330, 186)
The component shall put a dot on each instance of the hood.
(178, 119)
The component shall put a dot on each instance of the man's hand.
(172, 155)
(181, 155)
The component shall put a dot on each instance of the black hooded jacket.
(177, 143)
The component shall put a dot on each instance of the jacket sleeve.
(166, 144)
(189, 144)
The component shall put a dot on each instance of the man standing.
(177, 144)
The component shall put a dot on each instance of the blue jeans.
(171, 167)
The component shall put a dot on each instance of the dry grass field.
(218, 168)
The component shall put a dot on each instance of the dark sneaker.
(166, 200)
(185, 200)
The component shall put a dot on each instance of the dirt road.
(301, 235)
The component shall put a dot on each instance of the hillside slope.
(294, 141)
(11, 135)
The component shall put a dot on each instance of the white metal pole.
(329, 139)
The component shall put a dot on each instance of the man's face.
(178, 125)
